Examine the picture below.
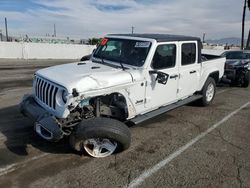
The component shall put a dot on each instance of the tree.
(94, 41)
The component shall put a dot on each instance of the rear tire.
(100, 137)
(208, 92)
(245, 83)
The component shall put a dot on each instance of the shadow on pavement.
(19, 133)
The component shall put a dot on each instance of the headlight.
(246, 66)
(34, 79)
(64, 96)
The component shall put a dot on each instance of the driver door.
(164, 61)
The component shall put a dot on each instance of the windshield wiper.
(102, 55)
(102, 59)
(120, 61)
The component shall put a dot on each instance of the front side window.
(165, 56)
(188, 53)
(130, 52)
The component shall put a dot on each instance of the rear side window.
(165, 56)
(188, 53)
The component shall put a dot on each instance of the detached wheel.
(100, 137)
(208, 92)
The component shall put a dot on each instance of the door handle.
(192, 72)
(174, 76)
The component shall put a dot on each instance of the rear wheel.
(208, 92)
(244, 81)
(100, 137)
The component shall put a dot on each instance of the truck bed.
(211, 64)
(212, 61)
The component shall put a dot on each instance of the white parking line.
(221, 91)
(14, 166)
(146, 174)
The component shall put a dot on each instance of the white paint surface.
(146, 174)
(18, 50)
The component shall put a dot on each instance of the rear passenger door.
(189, 69)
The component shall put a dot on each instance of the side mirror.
(86, 58)
(161, 77)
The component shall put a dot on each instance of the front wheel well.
(112, 105)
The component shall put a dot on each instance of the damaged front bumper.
(46, 125)
(230, 74)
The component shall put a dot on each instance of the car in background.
(237, 67)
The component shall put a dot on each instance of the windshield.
(237, 55)
(130, 52)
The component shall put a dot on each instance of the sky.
(95, 18)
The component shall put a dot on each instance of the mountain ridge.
(228, 40)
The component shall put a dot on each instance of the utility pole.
(54, 30)
(248, 41)
(132, 29)
(1, 35)
(204, 36)
(243, 24)
(6, 29)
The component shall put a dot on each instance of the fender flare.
(215, 74)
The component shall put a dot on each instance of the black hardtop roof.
(160, 37)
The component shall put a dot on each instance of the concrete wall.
(11, 50)
(16, 50)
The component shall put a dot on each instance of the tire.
(97, 135)
(233, 83)
(245, 83)
(207, 98)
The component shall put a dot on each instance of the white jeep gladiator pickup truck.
(128, 78)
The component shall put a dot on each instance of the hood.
(85, 76)
(236, 62)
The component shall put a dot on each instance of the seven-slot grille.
(46, 92)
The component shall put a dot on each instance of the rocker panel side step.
(141, 118)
